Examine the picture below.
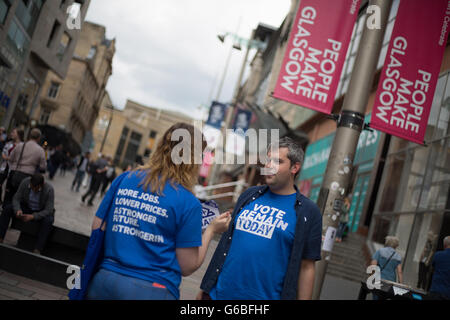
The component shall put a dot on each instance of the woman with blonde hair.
(389, 261)
(154, 223)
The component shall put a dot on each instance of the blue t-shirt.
(144, 229)
(260, 250)
(382, 256)
(441, 276)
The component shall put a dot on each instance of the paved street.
(75, 216)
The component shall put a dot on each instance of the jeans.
(46, 225)
(94, 187)
(109, 285)
(78, 179)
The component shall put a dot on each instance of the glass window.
(132, 148)
(121, 146)
(45, 116)
(17, 39)
(28, 92)
(92, 52)
(53, 90)
(63, 44)
(28, 13)
(4, 8)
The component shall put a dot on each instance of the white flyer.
(328, 242)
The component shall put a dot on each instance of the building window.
(132, 148)
(413, 193)
(45, 116)
(92, 52)
(55, 30)
(22, 101)
(18, 39)
(121, 146)
(27, 13)
(4, 8)
(54, 89)
(147, 153)
(153, 134)
(63, 45)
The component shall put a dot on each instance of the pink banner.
(315, 53)
(411, 70)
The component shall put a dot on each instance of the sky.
(167, 51)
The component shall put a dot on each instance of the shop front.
(413, 198)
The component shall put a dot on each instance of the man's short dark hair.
(295, 151)
(35, 134)
(37, 180)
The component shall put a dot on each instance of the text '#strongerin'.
(133, 207)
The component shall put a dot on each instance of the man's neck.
(284, 191)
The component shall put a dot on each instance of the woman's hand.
(221, 223)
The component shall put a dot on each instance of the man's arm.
(42, 162)
(399, 274)
(306, 280)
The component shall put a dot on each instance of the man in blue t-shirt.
(440, 285)
(273, 235)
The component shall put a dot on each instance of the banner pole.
(349, 127)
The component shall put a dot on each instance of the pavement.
(72, 215)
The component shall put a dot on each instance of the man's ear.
(296, 168)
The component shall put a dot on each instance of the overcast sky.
(168, 55)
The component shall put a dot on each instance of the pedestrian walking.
(160, 239)
(81, 171)
(270, 248)
(98, 171)
(109, 176)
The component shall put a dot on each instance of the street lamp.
(249, 44)
(111, 108)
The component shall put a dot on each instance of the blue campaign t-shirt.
(144, 230)
(260, 250)
(390, 266)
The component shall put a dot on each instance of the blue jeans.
(78, 179)
(109, 285)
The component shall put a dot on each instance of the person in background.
(34, 201)
(56, 159)
(98, 172)
(109, 176)
(440, 284)
(389, 261)
(145, 258)
(425, 261)
(16, 138)
(81, 171)
(3, 137)
(25, 160)
(343, 221)
(65, 164)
